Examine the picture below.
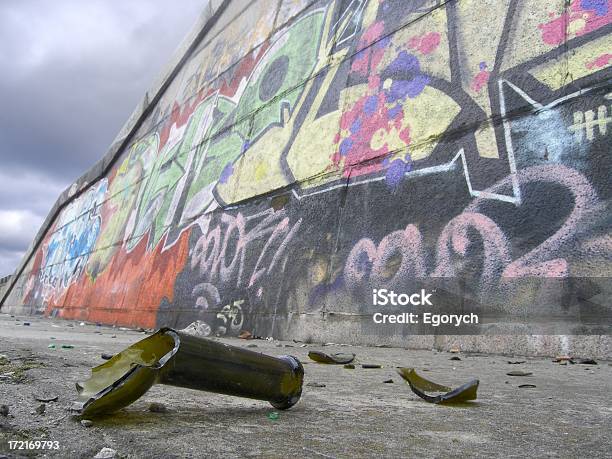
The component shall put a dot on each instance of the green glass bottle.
(178, 359)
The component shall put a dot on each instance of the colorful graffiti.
(306, 155)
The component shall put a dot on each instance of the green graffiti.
(288, 62)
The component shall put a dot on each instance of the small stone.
(113, 336)
(454, 357)
(388, 381)
(4, 410)
(26, 324)
(106, 356)
(245, 334)
(45, 398)
(157, 408)
(519, 373)
(315, 384)
(67, 346)
(51, 346)
(40, 409)
(86, 423)
(371, 365)
(106, 453)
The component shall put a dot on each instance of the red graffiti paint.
(130, 290)
(599, 62)
(426, 43)
(369, 56)
(582, 17)
(481, 78)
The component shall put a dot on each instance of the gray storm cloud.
(72, 72)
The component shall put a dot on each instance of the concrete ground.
(356, 414)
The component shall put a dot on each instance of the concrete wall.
(4, 284)
(301, 153)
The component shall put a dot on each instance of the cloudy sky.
(72, 72)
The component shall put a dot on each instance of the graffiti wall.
(310, 151)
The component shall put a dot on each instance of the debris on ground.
(420, 385)
(157, 407)
(86, 423)
(388, 381)
(371, 365)
(4, 410)
(519, 373)
(526, 386)
(273, 415)
(245, 334)
(454, 350)
(516, 362)
(586, 362)
(67, 346)
(315, 384)
(197, 328)
(455, 357)
(45, 398)
(333, 359)
(105, 356)
(564, 359)
(106, 453)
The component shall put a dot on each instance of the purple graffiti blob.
(406, 63)
(394, 111)
(396, 173)
(599, 6)
(226, 173)
(346, 146)
(383, 42)
(370, 105)
(245, 146)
